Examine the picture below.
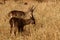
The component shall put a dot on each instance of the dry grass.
(47, 21)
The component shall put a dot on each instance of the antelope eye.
(15, 15)
(25, 3)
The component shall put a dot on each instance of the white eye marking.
(11, 16)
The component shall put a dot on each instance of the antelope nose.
(33, 22)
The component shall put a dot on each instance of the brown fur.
(18, 24)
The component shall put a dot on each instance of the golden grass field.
(46, 14)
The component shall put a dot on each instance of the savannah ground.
(46, 14)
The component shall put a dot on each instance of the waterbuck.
(17, 21)
(17, 25)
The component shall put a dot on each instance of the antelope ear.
(8, 14)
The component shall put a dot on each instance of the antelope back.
(15, 13)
